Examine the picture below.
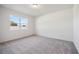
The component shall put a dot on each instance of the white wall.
(0, 27)
(76, 26)
(6, 34)
(57, 25)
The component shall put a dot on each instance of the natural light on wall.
(17, 22)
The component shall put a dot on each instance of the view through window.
(17, 22)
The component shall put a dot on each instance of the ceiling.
(41, 10)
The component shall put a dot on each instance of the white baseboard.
(17, 38)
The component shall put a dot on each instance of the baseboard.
(53, 38)
(17, 38)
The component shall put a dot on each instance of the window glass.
(18, 22)
(24, 23)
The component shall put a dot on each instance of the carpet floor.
(38, 45)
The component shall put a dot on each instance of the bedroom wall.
(0, 27)
(76, 26)
(57, 25)
(5, 33)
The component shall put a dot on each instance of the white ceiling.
(43, 9)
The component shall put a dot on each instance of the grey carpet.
(38, 45)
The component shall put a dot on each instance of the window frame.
(19, 24)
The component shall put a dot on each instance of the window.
(18, 22)
(23, 23)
